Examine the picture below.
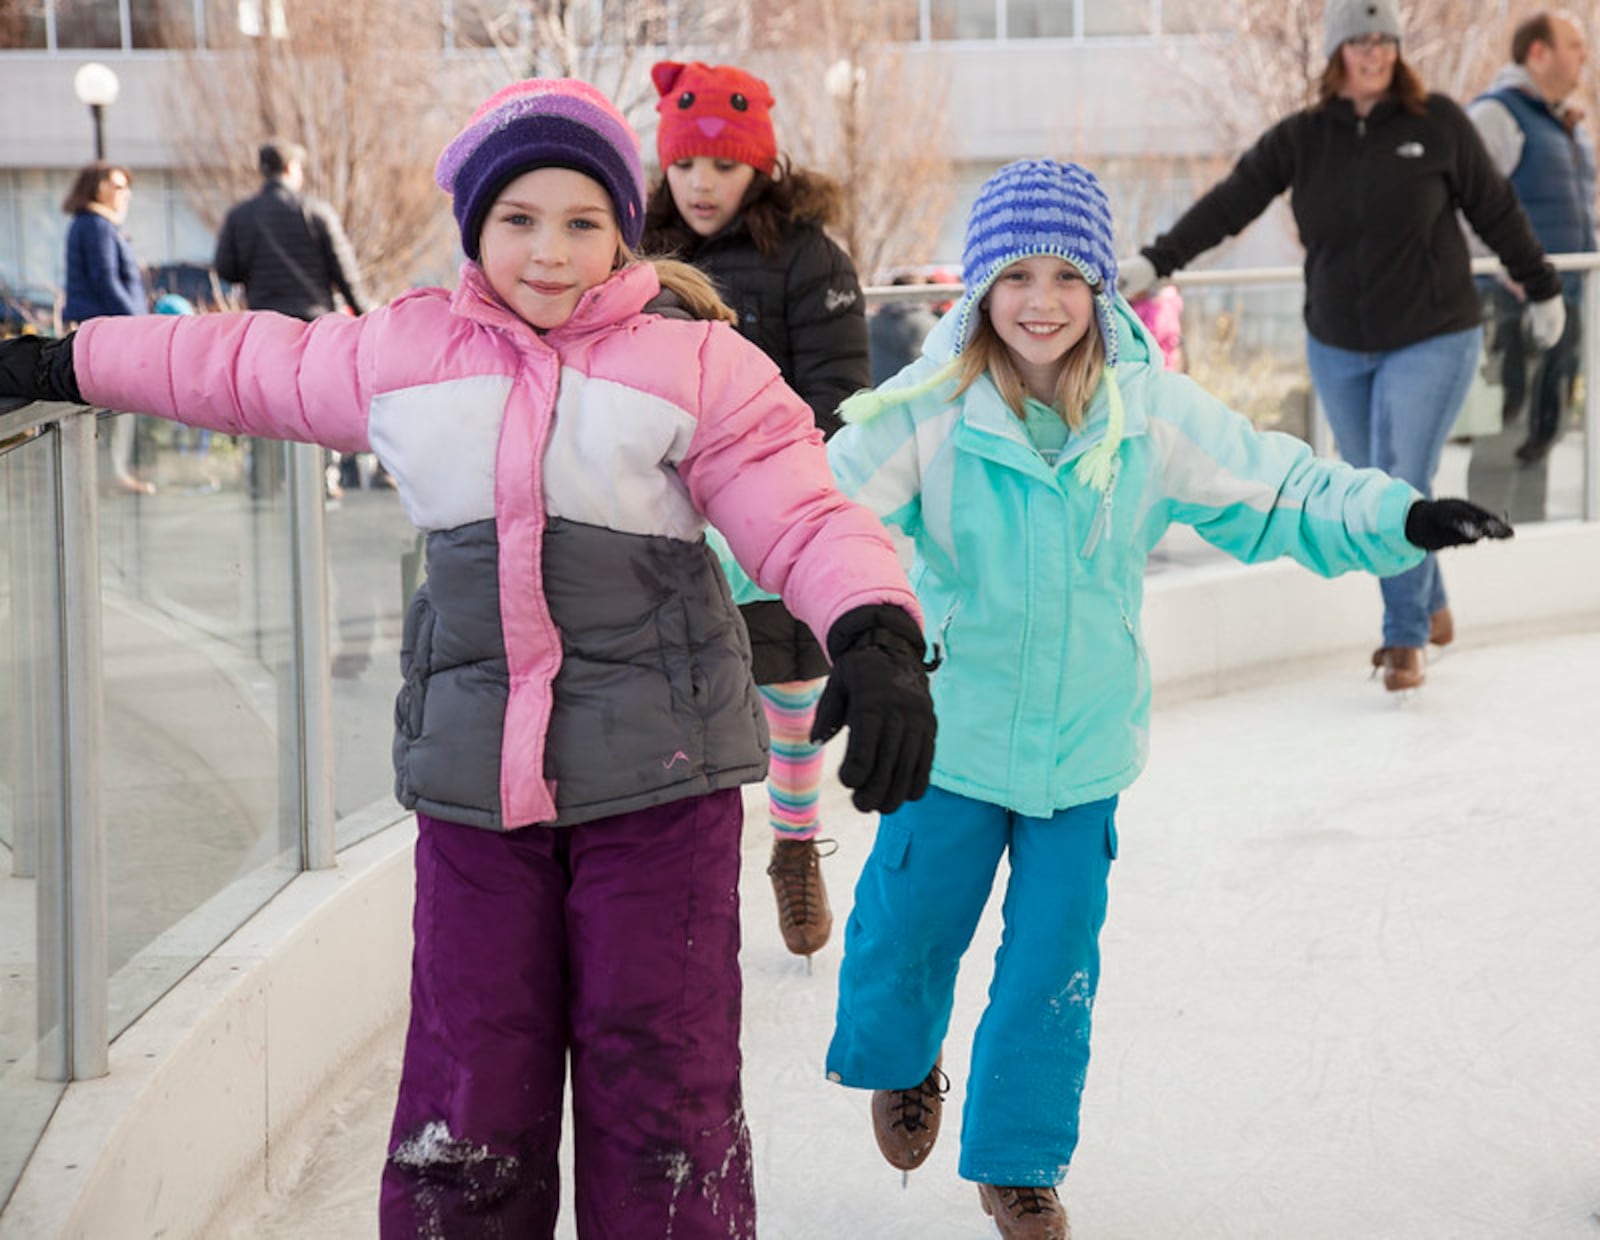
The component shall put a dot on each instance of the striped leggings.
(794, 779)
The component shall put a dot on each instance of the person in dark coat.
(730, 205)
(896, 331)
(104, 278)
(291, 255)
(286, 248)
(1377, 170)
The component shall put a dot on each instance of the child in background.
(729, 204)
(577, 714)
(1035, 455)
(1162, 312)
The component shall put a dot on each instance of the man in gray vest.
(1533, 136)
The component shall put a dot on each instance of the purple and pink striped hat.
(542, 123)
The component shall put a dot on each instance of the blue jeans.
(917, 905)
(1394, 410)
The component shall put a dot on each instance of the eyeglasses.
(1373, 43)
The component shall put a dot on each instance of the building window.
(962, 19)
(22, 25)
(161, 23)
(1190, 17)
(1039, 19)
(1104, 18)
(88, 23)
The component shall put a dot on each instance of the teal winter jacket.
(1031, 582)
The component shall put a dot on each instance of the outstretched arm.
(255, 373)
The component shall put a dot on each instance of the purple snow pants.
(616, 943)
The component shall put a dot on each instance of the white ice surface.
(1351, 988)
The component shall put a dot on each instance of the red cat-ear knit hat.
(714, 110)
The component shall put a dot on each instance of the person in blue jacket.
(1034, 455)
(104, 277)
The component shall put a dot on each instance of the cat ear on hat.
(665, 74)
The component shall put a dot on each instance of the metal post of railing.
(72, 876)
(312, 653)
(1591, 395)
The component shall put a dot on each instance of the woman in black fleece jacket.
(1377, 170)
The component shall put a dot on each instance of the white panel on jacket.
(438, 441)
(611, 459)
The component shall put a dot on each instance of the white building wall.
(1116, 105)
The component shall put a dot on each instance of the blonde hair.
(690, 286)
(1075, 386)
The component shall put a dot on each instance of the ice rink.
(1351, 988)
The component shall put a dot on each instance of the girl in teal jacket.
(1035, 454)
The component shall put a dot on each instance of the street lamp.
(96, 85)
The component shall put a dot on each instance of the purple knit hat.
(542, 123)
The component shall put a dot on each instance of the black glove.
(38, 368)
(879, 687)
(1435, 523)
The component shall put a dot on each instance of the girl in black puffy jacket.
(731, 206)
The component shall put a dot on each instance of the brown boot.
(906, 1121)
(1441, 627)
(1402, 666)
(1025, 1213)
(803, 913)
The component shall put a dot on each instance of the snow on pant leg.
(477, 1124)
(917, 904)
(660, 1143)
(1031, 1051)
(794, 775)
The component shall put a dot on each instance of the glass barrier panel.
(32, 1036)
(1521, 430)
(201, 752)
(374, 564)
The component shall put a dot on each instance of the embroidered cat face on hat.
(714, 110)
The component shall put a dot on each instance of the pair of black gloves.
(878, 687)
(879, 683)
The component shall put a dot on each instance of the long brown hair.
(1075, 386)
(86, 187)
(1405, 88)
(771, 206)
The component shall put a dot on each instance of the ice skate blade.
(1401, 698)
(905, 1179)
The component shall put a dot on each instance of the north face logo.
(1409, 150)
(839, 298)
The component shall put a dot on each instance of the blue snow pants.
(917, 905)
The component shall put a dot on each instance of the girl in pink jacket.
(577, 714)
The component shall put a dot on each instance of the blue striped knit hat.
(1039, 206)
(1033, 206)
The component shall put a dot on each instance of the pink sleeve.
(254, 373)
(758, 471)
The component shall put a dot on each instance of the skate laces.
(794, 865)
(1027, 1199)
(912, 1107)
